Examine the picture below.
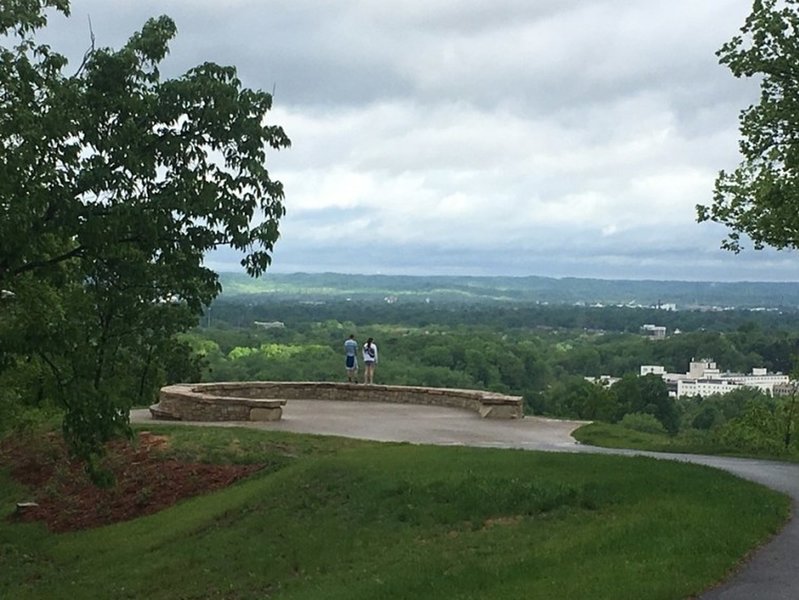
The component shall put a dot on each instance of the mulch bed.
(146, 481)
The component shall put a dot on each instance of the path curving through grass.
(769, 574)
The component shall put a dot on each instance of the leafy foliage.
(114, 183)
(574, 397)
(761, 429)
(760, 198)
(642, 422)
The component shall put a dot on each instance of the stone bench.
(263, 400)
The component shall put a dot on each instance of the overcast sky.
(512, 137)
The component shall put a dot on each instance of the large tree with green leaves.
(114, 184)
(760, 199)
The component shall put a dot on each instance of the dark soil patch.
(146, 481)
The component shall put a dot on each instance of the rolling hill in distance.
(682, 295)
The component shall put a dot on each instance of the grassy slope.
(344, 519)
(608, 435)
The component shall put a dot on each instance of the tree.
(649, 395)
(114, 183)
(788, 409)
(789, 417)
(658, 402)
(757, 430)
(576, 398)
(760, 198)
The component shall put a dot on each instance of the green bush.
(758, 431)
(643, 422)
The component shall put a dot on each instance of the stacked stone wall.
(263, 400)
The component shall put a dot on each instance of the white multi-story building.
(705, 387)
(704, 379)
(759, 378)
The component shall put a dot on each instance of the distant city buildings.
(669, 306)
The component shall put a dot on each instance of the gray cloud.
(553, 137)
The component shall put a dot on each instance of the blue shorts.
(350, 362)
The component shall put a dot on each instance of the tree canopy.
(760, 198)
(114, 184)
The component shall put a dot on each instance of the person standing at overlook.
(369, 360)
(351, 358)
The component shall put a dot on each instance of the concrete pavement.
(772, 573)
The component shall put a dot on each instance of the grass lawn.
(609, 435)
(342, 519)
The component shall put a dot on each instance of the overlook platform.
(264, 400)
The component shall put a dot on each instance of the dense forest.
(482, 345)
(541, 352)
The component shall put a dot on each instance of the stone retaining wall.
(263, 400)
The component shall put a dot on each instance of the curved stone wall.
(263, 400)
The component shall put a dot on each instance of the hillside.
(683, 294)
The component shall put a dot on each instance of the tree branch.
(38, 264)
(88, 52)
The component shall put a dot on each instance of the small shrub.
(744, 437)
(643, 422)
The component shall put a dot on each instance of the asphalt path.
(771, 573)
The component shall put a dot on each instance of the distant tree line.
(241, 311)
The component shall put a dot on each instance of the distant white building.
(703, 369)
(652, 370)
(269, 324)
(705, 387)
(603, 380)
(704, 379)
(655, 332)
(759, 378)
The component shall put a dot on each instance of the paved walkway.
(772, 573)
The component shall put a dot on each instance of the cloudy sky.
(513, 137)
